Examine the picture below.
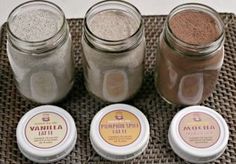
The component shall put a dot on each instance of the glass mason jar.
(40, 52)
(188, 62)
(113, 60)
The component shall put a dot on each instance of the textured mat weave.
(83, 107)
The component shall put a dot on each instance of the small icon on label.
(119, 116)
(45, 118)
(196, 117)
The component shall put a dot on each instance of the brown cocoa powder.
(194, 27)
(187, 80)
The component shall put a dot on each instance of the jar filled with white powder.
(113, 45)
(40, 52)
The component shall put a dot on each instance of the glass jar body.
(43, 79)
(183, 80)
(113, 77)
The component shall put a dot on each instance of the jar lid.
(119, 132)
(198, 134)
(46, 134)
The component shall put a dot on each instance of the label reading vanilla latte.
(46, 130)
(199, 130)
(119, 128)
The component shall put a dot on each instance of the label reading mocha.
(199, 130)
(119, 128)
(46, 130)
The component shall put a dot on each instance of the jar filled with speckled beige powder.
(39, 49)
(113, 45)
(191, 53)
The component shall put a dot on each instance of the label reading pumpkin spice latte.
(119, 128)
(46, 130)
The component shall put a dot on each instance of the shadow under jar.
(191, 53)
(113, 45)
(39, 51)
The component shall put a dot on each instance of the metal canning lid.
(46, 134)
(119, 132)
(198, 134)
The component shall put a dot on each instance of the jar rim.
(199, 7)
(34, 2)
(110, 42)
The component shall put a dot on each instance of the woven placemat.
(83, 106)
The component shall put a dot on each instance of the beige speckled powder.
(36, 25)
(112, 25)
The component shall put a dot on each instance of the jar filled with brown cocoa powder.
(191, 53)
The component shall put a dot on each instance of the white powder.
(36, 25)
(118, 76)
(113, 25)
(47, 78)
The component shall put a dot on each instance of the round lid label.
(46, 130)
(199, 130)
(120, 128)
